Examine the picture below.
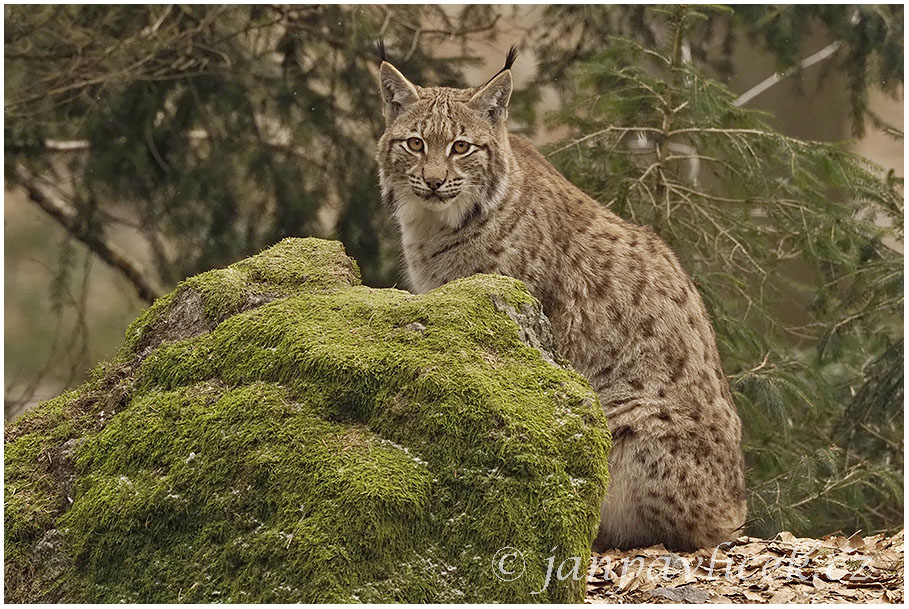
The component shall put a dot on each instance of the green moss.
(292, 266)
(339, 443)
(160, 492)
(137, 330)
(316, 263)
(34, 493)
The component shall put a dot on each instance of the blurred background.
(145, 144)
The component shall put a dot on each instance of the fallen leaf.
(751, 549)
(720, 599)
(783, 596)
(754, 597)
(746, 571)
(864, 581)
(853, 543)
(777, 548)
(648, 586)
(596, 583)
(657, 550)
(682, 579)
(833, 542)
(888, 560)
(834, 574)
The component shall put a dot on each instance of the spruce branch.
(65, 215)
(590, 136)
(778, 77)
(272, 142)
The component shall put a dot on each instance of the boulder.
(276, 432)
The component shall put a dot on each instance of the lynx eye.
(460, 147)
(415, 144)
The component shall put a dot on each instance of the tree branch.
(620, 130)
(193, 136)
(66, 145)
(809, 61)
(67, 217)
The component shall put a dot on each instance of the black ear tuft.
(512, 55)
(383, 55)
(509, 60)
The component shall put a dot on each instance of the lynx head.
(444, 150)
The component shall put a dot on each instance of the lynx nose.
(434, 183)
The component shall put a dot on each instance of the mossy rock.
(274, 431)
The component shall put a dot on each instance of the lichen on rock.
(275, 431)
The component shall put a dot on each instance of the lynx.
(470, 198)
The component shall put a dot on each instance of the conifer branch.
(66, 145)
(67, 217)
(772, 80)
(193, 136)
(596, 134)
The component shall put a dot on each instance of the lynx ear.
(397, 91)
(493, 97)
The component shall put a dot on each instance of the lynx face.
(444, 150)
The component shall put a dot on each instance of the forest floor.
(786, 569)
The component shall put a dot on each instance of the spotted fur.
(623, 310)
